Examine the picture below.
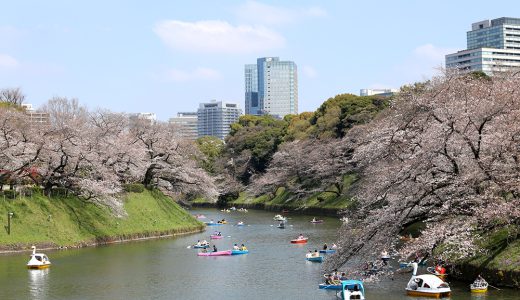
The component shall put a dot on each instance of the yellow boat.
(479, 286)
(38, 260)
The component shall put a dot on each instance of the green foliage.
(134, 188)
(299, 126)
(479, 75)
(11, 106)
(212, 148)
(338, 114)
(260, 136)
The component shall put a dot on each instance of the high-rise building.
(492, 46)
(271, 87)
(187, 124)
(216, 117)
(381, 92)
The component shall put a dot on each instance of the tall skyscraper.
(271, 87)
(493, 46)
(215, 118)
(187, 124)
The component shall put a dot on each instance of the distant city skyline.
(170, 56)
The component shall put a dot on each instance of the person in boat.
(243, 247)
(329, 280)
(235, 247)
(343, 276)
(314, 219)
(211, 221)
(333, 246)
(309, 255)
(385, 257)
(439, 269)
(204, 242)
(300, 237)
(215, 248)
(198, 243)
(316, 253)
(335, 274)
(325, 247)
(219, 233)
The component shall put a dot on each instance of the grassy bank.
(68, 221)
(500, 265)
(329, 202)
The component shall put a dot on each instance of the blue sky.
(168, 56)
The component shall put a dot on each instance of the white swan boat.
(38, 260)
(426, 285)
(279, 218)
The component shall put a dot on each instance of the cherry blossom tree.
(445, 154)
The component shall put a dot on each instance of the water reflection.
(38, 283)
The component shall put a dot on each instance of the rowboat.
(215, 237)
(328, 251)
(315, 258)
(38, 260)
(218, 253)
(237, 252)
(299, 241)
(479, 286)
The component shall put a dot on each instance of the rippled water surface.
(167, 269)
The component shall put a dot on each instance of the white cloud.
(196, 74)
(432, 53)
(260, 13)
(7, 61)
(423, 62)
(309, 71)
(217, 37)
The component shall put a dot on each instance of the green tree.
(252, 142)
(212, 148)
(338, 114)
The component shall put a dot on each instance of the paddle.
(494, 287)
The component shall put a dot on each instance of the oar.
(494, 287)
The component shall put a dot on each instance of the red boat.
(299, 241)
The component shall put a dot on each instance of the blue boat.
(213, 224)
(351, 289)
(315, 259)
(324, 286)
(328, 251)
(201, 246)
(237, 252)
